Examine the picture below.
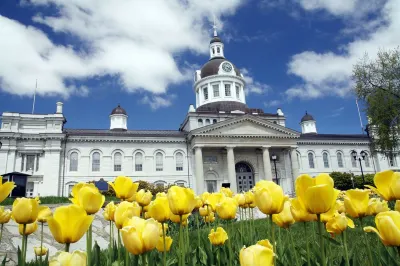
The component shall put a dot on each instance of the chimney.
(59, 108)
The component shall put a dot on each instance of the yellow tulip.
(159, 209)
(5, 215)
(160, 244)
(356, 202)
(388, 228)
(25, 211)
(89, 198)
(240, 199)
(140, 235)
(44, 214)
(317, 195)
(265, 243)
(227, 208)
(338, 223)
(213, 199)
(205, 196)
(143, 197)
(257, 255)
(249, 197)
(218, 237)
(199, 202)
(269, 197)
(176, 218)
(204, 211)
(124, 211)
(397, 206)
(210, 218)
(160, 228)
(299, 213)
(77, 187)
(325, 217)
(69, 223)
(109, 211)
(5, 189)
(376, 205)
(387, 185)
(340, 206)
(30, 228)
(68, 259)
(181, 200)
(124, 187)
(40, 251)
(226, 191)
(284, 219)
(161, 194)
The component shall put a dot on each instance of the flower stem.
(41, 243)
(346, 253)
(67, 247)
(126, 257)
(321, 240)
(198, 230)
(398, 250)
(111, 243)
(230, 232)
(23, 254)
(119, 246)
(165, 249)
(370, 261)
(1, 232)
(272, 236)
(307, 244)
(89, 246)
(219, 256)
(144, 259)
(294, 249)
(181, 241)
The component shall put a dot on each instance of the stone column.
(266, 164)
(295, 163)
(198, 154)
(231, 169)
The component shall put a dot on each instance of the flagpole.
(34, 98)
(359, 116)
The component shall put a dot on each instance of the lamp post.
(274, 158)
(356, 157)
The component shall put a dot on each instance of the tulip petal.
(302, 183)
(389, 231)
(350, 223)
(82, 228)
(324, 179)
(382, 181)
(56, 230)
(78, 258)
(318, 199)
(5, 190)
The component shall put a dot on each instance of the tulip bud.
(44, 214)
(25, 211)
(226, 191)
(210, 218)
(338, 223)
(387, 228)
(109, 211)
(227, 208)
(124, 187)
(29, 229)
(89, 198)
(204, 211)
(284, 219)
(64, 258)
(140, 235)
(5, 189)
(160, 244)
(159, 209)
(387, 185)
(257, 255)
(181, 200)
(356, 202)
(213, 200)
(143, 197)
(40, 251)
(5, 215)
(269, 197)
(124, 211)
(240, 199)
(176, 218)
(218, 237)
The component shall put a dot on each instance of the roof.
(226, 106)
(15, 173)
(307, 117)
(212, 67)
(118, 111)
(215, 39)
(125, 133)
(313, 136)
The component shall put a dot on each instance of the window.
(180, 183)
(214, 121)
(353, 161)
(138, 162)
(366, 159)
(218, 50)
(205, 92)
(73, 162)
(216, 90)
(213, 50)
(325, 159)
(237, 91)
(117, 162)
(179, 161)
(340, 159)
(159, 161)
(96, 162)
(160, 184)
(227, 89)
(311, 160)
(200, 122)
(30, 162)
(207, 122)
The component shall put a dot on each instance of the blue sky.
(93, 55)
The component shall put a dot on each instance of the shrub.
(343, 180)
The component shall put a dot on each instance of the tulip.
(160, 228)
(181, 200)
(68, 259)
(43, 214)
(387, 185)
(124, 211)
(89, 198)
(356, 202)
(387, 228)
(176, 218)
(340, 206)
(199, 202)
(25, 211)
(213, 200)
(240, 199)
(161, 194)
(257, 255)
(210, 218)
(124, 187)
(325, 217)
(375, 206)
(40, 251)
(5, 189)
(284, 219)
(159, 209)
(265, 243)
(160, 244)
(299, 213)
(218, 237)
(205, 196)
(338, 223)
(140, 235)
(249, 198)
(143, 197)
(204, 211)
(269, 197)
(109, 211)
(29, 229)
(397, 206)
(226, 191)
(227, 208)
(5, 215)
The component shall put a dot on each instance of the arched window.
(160, 184)
(179, 161)
(340, 159)
(214, 121)
(366, 159)
(325, 158)
(159, 161)
(207, 122)
(218, 50)
(353, 161)
(200, 122)
(138, 162)
(311, 160)
(205, 92)
(73, 162)
(213, 50)
(95, 162)
(117, 162)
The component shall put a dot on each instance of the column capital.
(293, 148)
(198, 147)
(265, 147)
(229, 147)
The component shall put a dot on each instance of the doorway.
(244, 177)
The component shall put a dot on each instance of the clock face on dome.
(227, 67)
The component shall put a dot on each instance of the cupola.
(118, 119)
(308, 124)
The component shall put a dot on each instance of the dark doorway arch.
(244, 176)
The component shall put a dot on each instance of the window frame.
(139, 167)
(72, 160)
(179, 162)
(159, 161)
(215, 90)
(96, 166)
(340, 161)
(200, 122)
(325, 159)
(118, 167)
(237, 88)
(311, 160)
(30, 163)
(228, 92)
(205, 93)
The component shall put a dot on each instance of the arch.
(73, 150)
(244, 176)
(96, 161)
(179, 161)
(325, 159)
(180, 183)
(215, 121)
(339, 157)
(367, 159)
(200, 122)
(208, 122)
(95, 150)
(159, 161)
(73, 161)
(160, 183)
(353, 161)
(117, 150)
(311, 159)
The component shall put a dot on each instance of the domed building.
(221, 142)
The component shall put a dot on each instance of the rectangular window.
(216, 90)
(117, 162)
(179, 161)
(138, 162)
(205, 91)
(30, 162)
(237, 91)
(159, 162)
(227, 89)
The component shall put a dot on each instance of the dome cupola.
(118, 119)
(308, 124)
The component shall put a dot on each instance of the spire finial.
(215, 26)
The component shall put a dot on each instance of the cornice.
(127, 140)
(246, 136)
(331, 142)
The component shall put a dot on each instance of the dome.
(307, 117)
(215, 39)
(212, 67)
(118, 111)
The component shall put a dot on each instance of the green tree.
(378, 86)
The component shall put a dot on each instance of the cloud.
(272, 103)
(137, 42)
(253, 86)
(336, 112)
(157, 101)
(329, 73)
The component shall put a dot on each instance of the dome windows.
(237, 92)
(228, 90)
(215, 90)
(205, 92)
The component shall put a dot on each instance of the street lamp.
(274, 158)
(355, 156)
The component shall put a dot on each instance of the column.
(199, 170)
(231, 168)
(295, 163)
(266, 163)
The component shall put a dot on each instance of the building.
(221, 140)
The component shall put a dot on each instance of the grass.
(52, 200)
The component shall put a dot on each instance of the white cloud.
(272, 103)
(336, 112)
(253, 86)
(137, 41)
(157, 101)
(331, 73)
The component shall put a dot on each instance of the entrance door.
(244, 177)
(211, 186)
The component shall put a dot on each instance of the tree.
(378, 86)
